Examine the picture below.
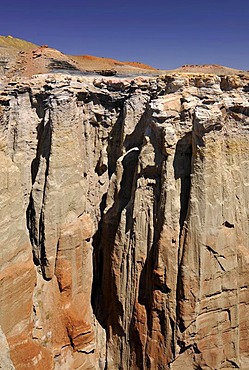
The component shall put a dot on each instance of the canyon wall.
(124, 208)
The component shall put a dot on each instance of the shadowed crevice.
(105, 303)
(35, 214)
(182, 170)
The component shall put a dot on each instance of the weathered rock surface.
(124, 222)
(5, 361)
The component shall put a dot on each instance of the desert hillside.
(21, 58)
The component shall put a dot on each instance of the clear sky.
(162, 33)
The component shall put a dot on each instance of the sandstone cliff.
(124, 223)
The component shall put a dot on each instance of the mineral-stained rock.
(124, 222)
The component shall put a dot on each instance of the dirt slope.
(22, 58)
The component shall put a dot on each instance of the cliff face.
(124, 223)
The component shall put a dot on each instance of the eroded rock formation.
(124, 223)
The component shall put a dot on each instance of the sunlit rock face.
(124, 209)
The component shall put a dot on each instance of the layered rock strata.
(124, 223)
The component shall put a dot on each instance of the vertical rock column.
(17, 273)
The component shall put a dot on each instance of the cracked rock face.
(124, 223)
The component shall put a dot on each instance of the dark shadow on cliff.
(44, 137)
(182, 170)
(105, 303)
(117, 142)
(105, 300)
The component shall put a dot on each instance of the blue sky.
(165, 34)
